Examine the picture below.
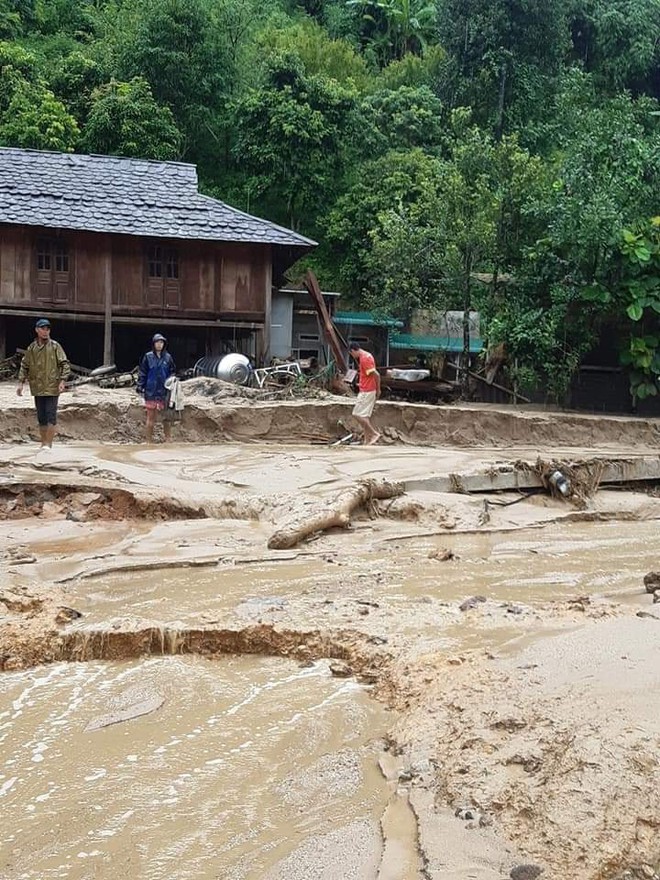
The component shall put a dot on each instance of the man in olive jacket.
(45, 366)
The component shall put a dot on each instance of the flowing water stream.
(250, 768)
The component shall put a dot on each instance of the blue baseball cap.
(42, 322)
(158, 337)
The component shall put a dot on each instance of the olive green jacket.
(44, 366)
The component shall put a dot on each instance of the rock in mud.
(656, 596)
(467, 814)
(472, 602)
(51, 510)
(530, 764)
(510, 724)
(442, 555)
(369, 675)
(77, 516)
(525, 872)
(66, 615)
(652, 581)
(144, 707)
(340, 669)
(377, 640)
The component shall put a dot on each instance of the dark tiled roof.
(124, 196)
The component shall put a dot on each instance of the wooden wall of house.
(69, 271)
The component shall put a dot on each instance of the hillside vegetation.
(419, 142)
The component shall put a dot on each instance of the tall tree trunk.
(499, 128)
(465, 356)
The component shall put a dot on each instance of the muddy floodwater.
(248, 762)
(261, 661)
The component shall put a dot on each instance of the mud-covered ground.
(510, 632)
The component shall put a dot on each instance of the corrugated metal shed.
(435, 343)
(367, 319)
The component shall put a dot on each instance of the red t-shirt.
(367, 373)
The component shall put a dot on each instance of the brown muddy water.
(528, 566)
(251, 768)
(561, 561)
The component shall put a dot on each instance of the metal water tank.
(234, 368)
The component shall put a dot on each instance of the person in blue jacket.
(156, 367)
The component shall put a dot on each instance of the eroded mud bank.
(91, 414)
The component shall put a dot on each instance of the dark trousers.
(46, 409)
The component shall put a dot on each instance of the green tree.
(604, 176)
(17, 16)
(472, 219)
(17, 68)
(237, 25)
(427, 69)
(405, 118)
(65, 16)
(30, 114)
(617, 41)
(289, 140)
(503, 53)
(10, 21)
(172, 44)
(125, 120)
(635, 300)
(320, 55)
(396, 27)
(36, 119)
(73, 78)
(395, 180)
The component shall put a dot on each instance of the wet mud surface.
(444, 686)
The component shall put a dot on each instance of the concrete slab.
(504, 477)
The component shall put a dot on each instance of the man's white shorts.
(364, 405)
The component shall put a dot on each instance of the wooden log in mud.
(335, 513)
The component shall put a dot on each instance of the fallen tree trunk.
(334, 514)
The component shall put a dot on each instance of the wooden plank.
(508, 391)
(26, 266)
(128, 272)
(510, 477)
(327, 326)
(231, 283)
(170, 320)
(88, 279)
(203, 300)
(423, 385)
(8, 266)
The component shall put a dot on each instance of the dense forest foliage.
(423, 143)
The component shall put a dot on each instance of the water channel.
(250, 766)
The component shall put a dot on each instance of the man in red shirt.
(369, 391)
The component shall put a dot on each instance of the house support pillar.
(107, 299)
(263, 352)
(3, 337)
